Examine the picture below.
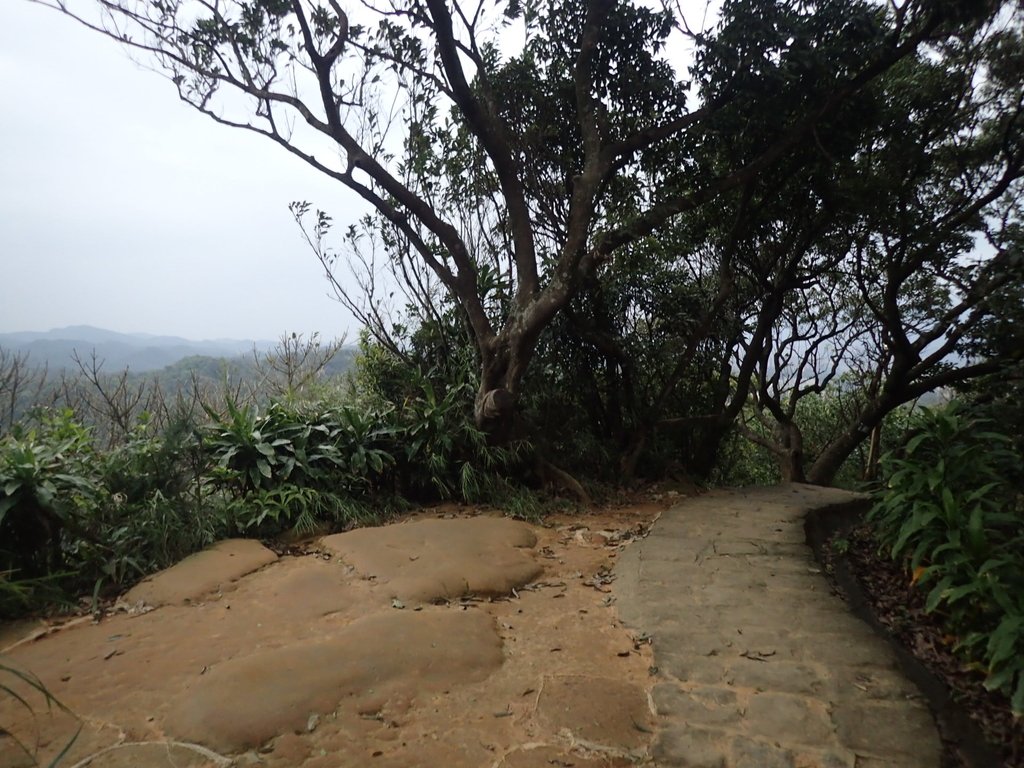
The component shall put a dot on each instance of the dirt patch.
(532, 756)
(154, 755)
(599, 712)
(475, 681)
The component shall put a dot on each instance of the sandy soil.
(316, 660)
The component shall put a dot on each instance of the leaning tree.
(542, 115)
(892, 266)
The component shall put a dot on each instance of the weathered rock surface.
(307, 662)
(202, 573)
(432, 560)
(374, 661)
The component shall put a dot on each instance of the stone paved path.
(758, 664)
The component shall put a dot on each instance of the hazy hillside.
(136, 351)
(144, 373)
(239, 367)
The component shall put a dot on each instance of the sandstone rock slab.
(244, 702)
(202, 573)
(434, 560)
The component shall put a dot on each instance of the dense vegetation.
(113, 396)
(950, 509)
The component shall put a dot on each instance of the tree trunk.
(505, 358)
(631, 456)
(825, 467)
(503, 364)
(791, 452)
(552, 475)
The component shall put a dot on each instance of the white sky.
(124, 208)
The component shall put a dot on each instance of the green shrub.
(75, 519)
(949, 511)
(820, 417)
(427, 406)
(300, 510)
(168, 462)
(443, 453)
(155, 506)
(45, 487)
(742, 462)
(306, 445)
(19, 595)
(364, 439)
(253, 451)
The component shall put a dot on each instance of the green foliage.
(76, 519)
(365, 439)
(45, 486)
(19, 594)
(525, 504)
(300, 464)
(378, 376)
(249, 448)
(445, 455)
(302, 444)
(299, 509)
(155, 508)
(949, 511)
(79, 519)
(425, 399)
(621, 360)
(820, 417)
(744, 463)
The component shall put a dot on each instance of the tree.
(538, 164)
(295, 364)
(918, 244)
(21, 384)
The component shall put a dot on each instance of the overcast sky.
(122, 207)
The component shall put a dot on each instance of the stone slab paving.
(758, 664)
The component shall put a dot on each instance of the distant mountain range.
(139, 352)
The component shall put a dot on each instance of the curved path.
(758, 664)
